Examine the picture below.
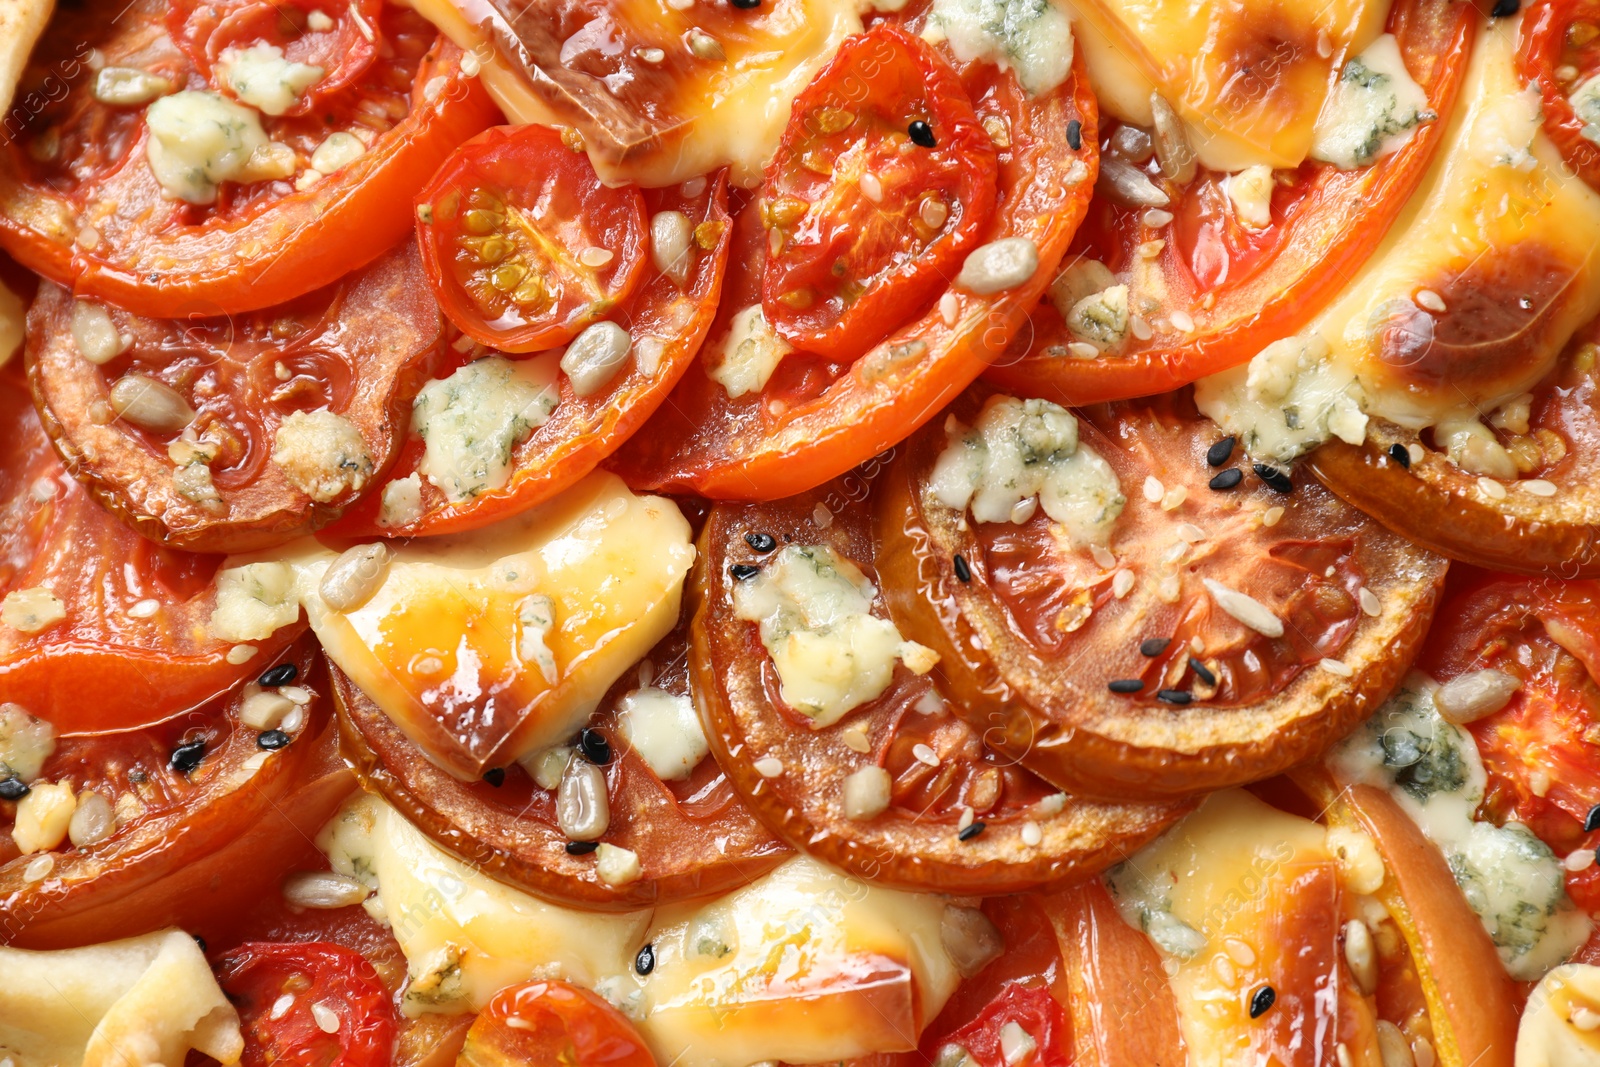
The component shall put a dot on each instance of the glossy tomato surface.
(288, 996)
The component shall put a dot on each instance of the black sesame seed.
(282, 674)
(972, 830)
(594, 746)
(645, 961)
(1275, 479)
(1125, 685)
(963, 572)
(1221, 452)
(1202, 672)
(761, 542)
(1228, 479)
(1074, 135)
(1175, 696)
(1261, 1001)
(1591, 821)
(13, 788)
(1504, 9)
(1154, 646)
(272, 739)
(581, 848)
(922, 134)
(198, 940)
(495, 776)
(746, 5)
(187, 756)
(1401, 455)
(744, 571)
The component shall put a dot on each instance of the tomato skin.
(333, 978)
(850, 266)
(1324, 227)
(1544, 44)
(468, 240)
(552, 1022)
(173, 262)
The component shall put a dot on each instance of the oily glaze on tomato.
(552, 1022)
(358, 350)
(135, 638)
(1545, 521)
(523, 244)
(1558, 50)
(1030, 645)
(942, 775)
(864, 221)
(188, 848)
(318, 977)
(80, 204)
(816, 419)
(693, 836)
(666, 319)
(1239, 289)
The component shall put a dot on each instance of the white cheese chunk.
(1373, 110)
(201, 139)
(1020, 450)
(471, 421)
(1585, 100)
(665, 730)
(322, 454)
(814, 610)
(254, 600)
(1511, 879)
(25, 742)
(1250, 193)
(1031, 37)
(751, 351)
(95, 334)
(142, 1002)
(338, 150)
(261, 77)
(402, 501)
(1286, 401)
(32, 611)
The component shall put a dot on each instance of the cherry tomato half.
(524, 245)
(324, 983)
(552, 1023)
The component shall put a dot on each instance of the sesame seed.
(1125, 685)
(1082, 350)
(595, 256)
(327, 1021)
(1228, 479)
(272, 739)
(925, 755)
(1181, 321)
(1031, 834)
(1153, 489)
(187, 756)
(39, 867)
(1151, 647)
(296, 694)
(1538, 487)
(744, 571)
(963, 572)
(1122, 583)
(1261, 1002)
(651, 55)
(239, 655)
(281, 1006)
(949, 308)
(144, 609)
(1075, 135)
(1191, 533)
(1156, 218)
(971, 830)
(761, 542)
(1202, 672)
(1491, 489)
(769, 766)
(1504, 9)
(1579, 860)
(282, 674)
(1103, 556)
(1245, 609)
(1276, 480)
(871, 187)
(645, 961)
(821, 517)
(1370, 604)
(1140, 327)
(495, 776)
(594, 746)
(1150, 250)
(1336, 666)
(1221, 452)
(921, 134)
(1400, 455)
(967, 817)
(1272, 516)
(1430, 300)
(1174, 498)
(1174, 696)
(13, 788)
(1591, 821)
(854, 737)
(581, 848)
(1416, 452)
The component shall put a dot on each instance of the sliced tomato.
(80, 205)
(1030, 645)
(666, 320)
(864, 220)
(552, 1022)
(942, 775)
(816, 418)
(1547, 522)
(524, 245)
(358, 350)
(1542, 750)
(190, 847)
(694, 836)
(135, 639)
(1240, 289)
(325, 983)
(340, 39)
(1557, 50)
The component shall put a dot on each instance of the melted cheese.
(804, 963)
(142, 1002)
(1248, 76)
(1501, 236)
(1561, 1026)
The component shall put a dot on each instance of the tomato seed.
(282, 674)
(645, 961)
(970, 832)
(187, 756)
(1262, 1001)
(1125, 685)
(1221, 452)
(963, 572)
(1075, 135)
(1154, 646)
(922, 134)
(1401, 455)
(761, 542)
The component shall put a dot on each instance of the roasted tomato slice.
(235, 433)
(890, 789)
(693, 835)
(194, 817)
(1541, 748)
(133, 631)
(1558, 50)
(552, 1022)
(1220, 636)
(665, 321)
(340, 40)
(1225, 291)
(524, 245)
(337, 1014)
(290, 203)
(872, 202)
(735, 428)
(1544, 519)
